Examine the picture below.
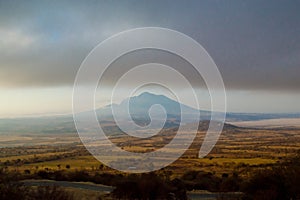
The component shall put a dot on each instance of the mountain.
(139, 110)
(139, 107)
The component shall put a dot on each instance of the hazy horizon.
(53, 114)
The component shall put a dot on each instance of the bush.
(149, 186)
(50, 193)
(281, 182)
(11, 189)
(267, 185)
(198, 180)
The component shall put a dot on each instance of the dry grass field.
(238, 149)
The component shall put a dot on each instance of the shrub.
(149, 186)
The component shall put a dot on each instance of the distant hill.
(139, 109)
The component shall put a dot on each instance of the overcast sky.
(255, 44)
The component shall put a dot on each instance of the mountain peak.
(151, 98)
(148, 94)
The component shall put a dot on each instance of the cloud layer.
(255, 44)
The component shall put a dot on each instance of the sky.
(255, 44)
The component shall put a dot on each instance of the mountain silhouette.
(139, 107)
(158, 106)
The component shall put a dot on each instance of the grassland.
(238, 149)
(238, 156)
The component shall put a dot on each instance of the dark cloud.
(255, 44)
